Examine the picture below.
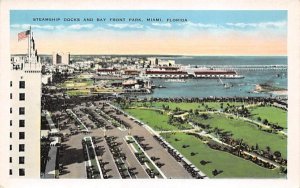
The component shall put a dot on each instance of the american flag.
(23, 35)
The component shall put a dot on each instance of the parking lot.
(116, 157)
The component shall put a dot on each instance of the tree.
(204, 116)
(256, 147)
(171, 119)
(277, 154)
(167, 107)
(258, 118)
(265, 121)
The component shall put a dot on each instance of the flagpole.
(29, 43)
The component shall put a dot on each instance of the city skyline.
(200, 32)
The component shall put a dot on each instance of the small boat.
(227, 86)
(175, 80)
(160, 86)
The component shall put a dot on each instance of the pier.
(246, 67)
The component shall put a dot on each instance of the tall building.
(60, 58)
(25, 115)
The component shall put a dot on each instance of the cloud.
(122, 26)
(53, 27)
(79, 26)
(26, 26)
(279, 24)
(162, 24)
(200, 25)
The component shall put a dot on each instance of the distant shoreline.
(162, 55)
(270, 89)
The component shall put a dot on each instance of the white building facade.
(25, 117)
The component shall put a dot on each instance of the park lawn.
(271, 113)
(188, 105)
(232, 166)
(78, 92)
(248, 132)
(76, 83)
(155, 120)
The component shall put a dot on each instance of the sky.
(173, 32)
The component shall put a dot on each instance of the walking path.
(243, 118)
(180, 131)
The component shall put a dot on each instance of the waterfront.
(213, 87)
(126, 136)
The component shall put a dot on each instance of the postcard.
(164, 95)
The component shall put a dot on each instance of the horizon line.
(242, 55)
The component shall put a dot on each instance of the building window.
(21, 123)
(10, 159)
(10, 96)
(10, 110)
(10, 147)
(21, 172)
(22, 96)
(10, 171)
(21, 147)
(21, 110)
(21, 135)
(10, 135)
(10, 122)
(22, 84)
(21, 160)
(10, 83)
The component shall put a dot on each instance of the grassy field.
(76, 83)
(155, 120)
(272, 114)
(78, 92)
(188, 106)
(248, 132)
(232, 166)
